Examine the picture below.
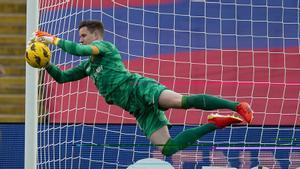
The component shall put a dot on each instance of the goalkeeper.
(142, 97)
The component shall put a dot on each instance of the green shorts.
(139, 96)
(152, 121)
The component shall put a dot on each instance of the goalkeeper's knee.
(170, 148)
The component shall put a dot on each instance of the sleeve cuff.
(56, 40)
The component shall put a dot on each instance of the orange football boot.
(245, 111)
(222, 121)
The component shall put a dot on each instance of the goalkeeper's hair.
(92, 26)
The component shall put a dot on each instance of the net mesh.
(238, 50)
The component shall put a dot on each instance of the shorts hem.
(157, 99)
(149, 134)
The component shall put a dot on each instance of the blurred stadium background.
(237, 49)
(12, 82)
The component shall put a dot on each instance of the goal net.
(245, 50)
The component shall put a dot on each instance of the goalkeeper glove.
(46, 38)
(32, 39)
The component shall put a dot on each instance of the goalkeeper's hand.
(32, 39)
(46, 38)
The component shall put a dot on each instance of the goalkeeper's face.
(87, 37)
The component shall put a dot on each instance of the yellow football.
(38, 55)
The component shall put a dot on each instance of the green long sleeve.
(69, 75)
(75, 48)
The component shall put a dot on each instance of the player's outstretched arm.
(68, 46)
(69, 75)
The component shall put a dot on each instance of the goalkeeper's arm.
(68, 46)
(69, 75)
(77, 49)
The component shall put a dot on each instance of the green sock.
(186, 138)
(207, 102)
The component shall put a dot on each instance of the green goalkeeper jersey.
(106, 69)
(134, 93)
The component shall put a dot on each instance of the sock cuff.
(184, 102)
(166, 149)
(211, 126)
(235, 106)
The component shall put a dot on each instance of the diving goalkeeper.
(142, 97)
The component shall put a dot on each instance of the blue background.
(65, 153)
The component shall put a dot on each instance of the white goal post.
(31, 118)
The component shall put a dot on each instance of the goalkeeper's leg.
(171, 99)
(187, 138)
